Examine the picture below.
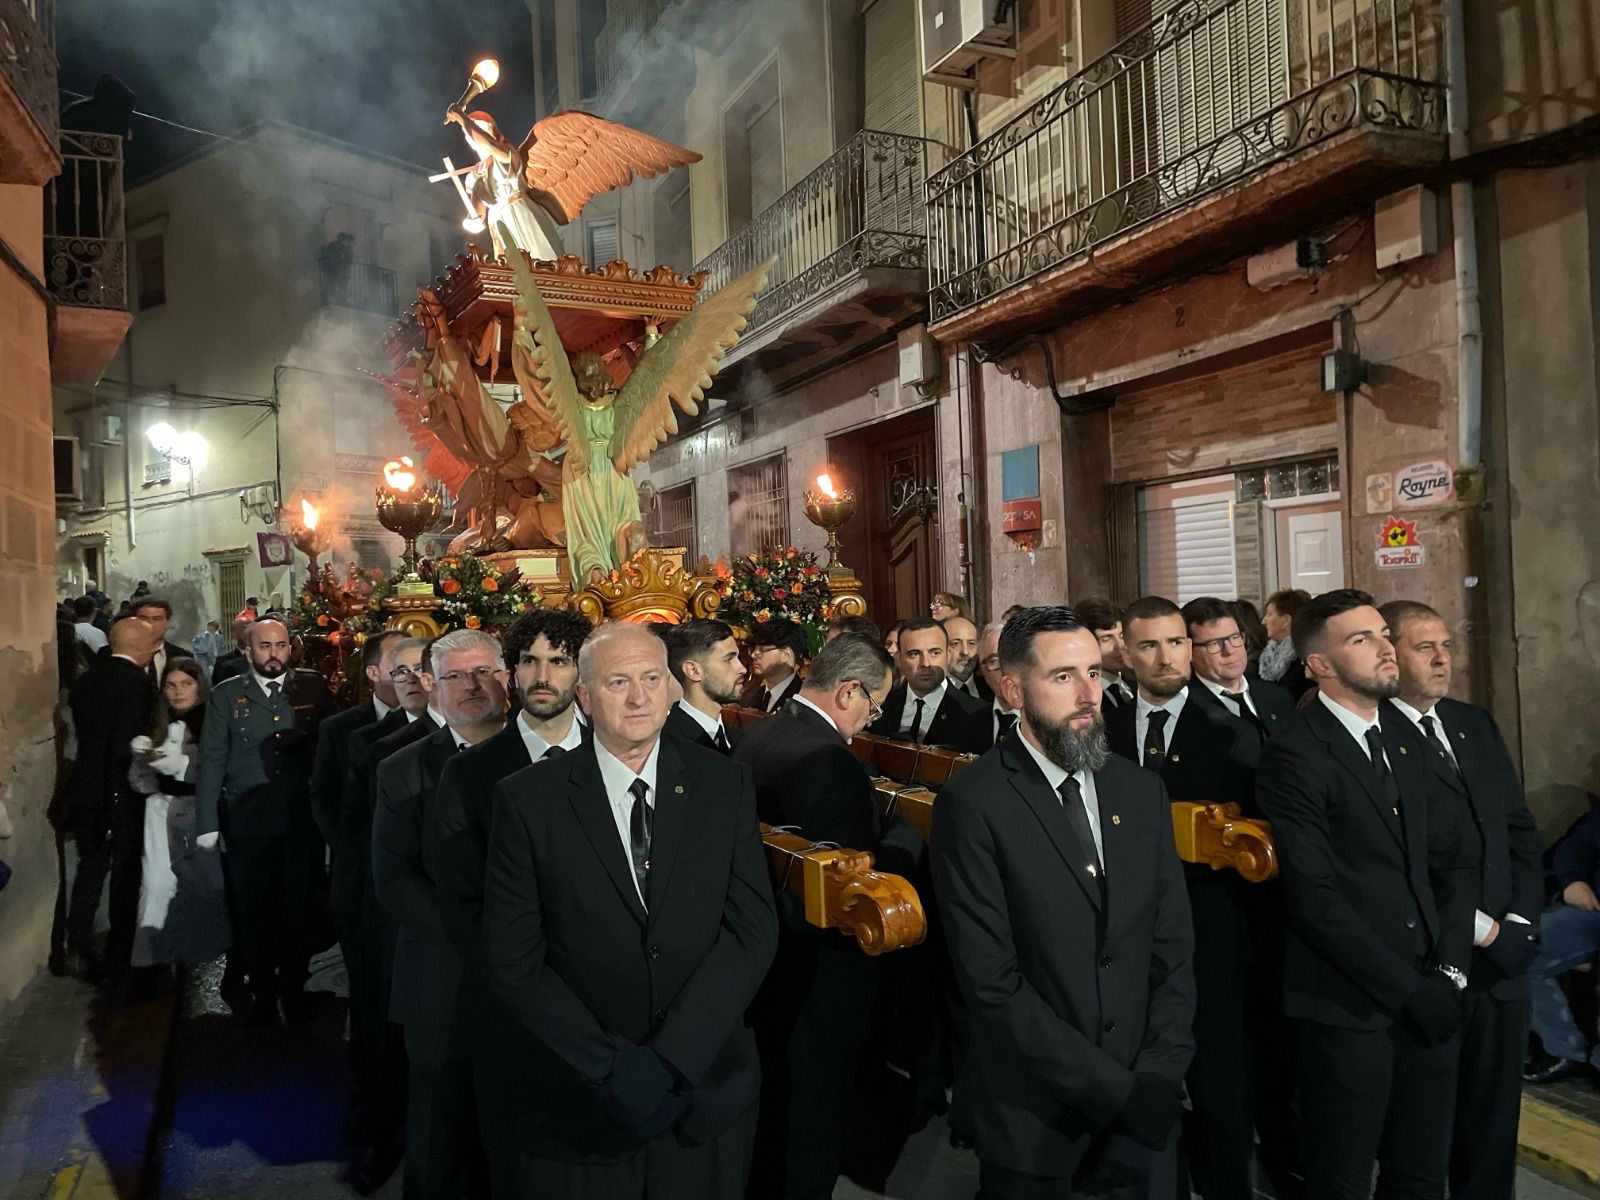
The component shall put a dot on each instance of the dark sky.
(378, 73)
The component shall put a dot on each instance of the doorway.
(893, 542)
(1305, 546)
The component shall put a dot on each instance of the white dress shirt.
(775, 692)
(1141, 719)
(537, 747)
(618, 778)
(800, 697)
(1218, 690)
(379, 707)
(263, 682)
(1482, 922)
(969, 685)
(1055, 777)
(712, 726)
(1354, 723)
(930, 705)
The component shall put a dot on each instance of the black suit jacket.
(950, 725)
(681, 725)
(982, 726)
(230, 664)
(588, 972)
(754, 696)
(1210, 754)
(427, 968)
(328, 769)
(1511, 868)
(1068, 993)
(1373, 900)
(111, 705)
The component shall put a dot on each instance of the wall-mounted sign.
(274, 550)
(1380, 493)
(1398, 545)
(1021, 507)
(1424, 484)
(1022, 516)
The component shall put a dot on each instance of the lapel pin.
(1402, 749)
(1115, 819)
(679, 789)
(1174, 758)
(1461, 735)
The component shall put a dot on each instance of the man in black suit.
(924, 707)
(253, 789)
(541, 651)
(1105, 619)
(704, 658)
(814, 1012)
(1068, 923)
(996, 719)
(628, 921)
(1201, 752)
(112, 703)
(1220, 660)
(233, 663)
(1471, 760)
(777, 648)
(444, 1156)
(157, 613)
(961, 660)
(328, 771)
(377, 1044)
(1377, 880)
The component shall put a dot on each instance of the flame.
(487, 72)
(308, 514)
(400, 473)
(825, 483)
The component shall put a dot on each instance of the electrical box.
(919, 357)
(1405, 226)
(958, 33)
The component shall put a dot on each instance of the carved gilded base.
(1220, 836)
(840, 890)
(845, 589)
(412, 615)
(651, 586)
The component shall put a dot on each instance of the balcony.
(851, 255)
(618, 48)
(86, 256)
(360, 286)
(28, 100)
(1215, 129)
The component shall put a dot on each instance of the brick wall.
(1250, 413)
(27, 594)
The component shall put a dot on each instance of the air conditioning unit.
(69, 470)
(956, 34)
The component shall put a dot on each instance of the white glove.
(142, 745)
(170, 764)
(208, 841)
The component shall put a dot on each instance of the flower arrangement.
(474, 594)
(780, 583)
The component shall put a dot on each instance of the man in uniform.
(253, 788)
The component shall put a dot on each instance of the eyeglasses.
(481, 675)
(1218, 644)
(992, 663)
(874, 709)
(401, 674)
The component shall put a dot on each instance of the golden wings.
(574, 156)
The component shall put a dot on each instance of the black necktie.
(721, 740)
(639, 837)
(1078, 817)
(553, 752)
(155, 675)
(1155, 745)
(916, 722)
(1430, 726)
(272, 691)
(1008, 722)
(1241, 707)
(1387, 787)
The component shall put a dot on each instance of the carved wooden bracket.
(841, 891)
(1220, 836)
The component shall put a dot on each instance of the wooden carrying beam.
(1220, 836)
(840, 890)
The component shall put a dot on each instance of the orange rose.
(491, 584)
(473, 622)
(323, 620)
(450, 587)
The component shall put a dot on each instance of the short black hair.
(1203, 610)
(372, 648)
(151, 600)
(1023, 627)
(780, 635)
(693, 639)
(84, 607)
(918, 624)
(1148, 608)
(1098, 613)
(562, 628)
(1314, 615)
(861, 625)
(1397, 612)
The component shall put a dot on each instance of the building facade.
(265, 272)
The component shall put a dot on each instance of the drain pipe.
(1463, 218)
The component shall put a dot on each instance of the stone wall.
(27, 594)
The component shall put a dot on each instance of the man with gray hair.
(999, 718)
(628, 920)
(814, 1012)
(468, 686)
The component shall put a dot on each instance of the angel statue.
(608, 430)
(524, 191)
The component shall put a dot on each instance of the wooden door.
(895, 549)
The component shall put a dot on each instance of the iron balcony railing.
(1206, 95)
(28, 59)
(85, 244)
(861, 208)
(360, 286)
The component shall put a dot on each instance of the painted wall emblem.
(1424, 484)
(1398, 545)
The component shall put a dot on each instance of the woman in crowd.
(1279, 663)
(948, 604)
(183, 915)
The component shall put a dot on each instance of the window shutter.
(604, 245)
(893, 78)
(1188, 550)
(766, 157)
